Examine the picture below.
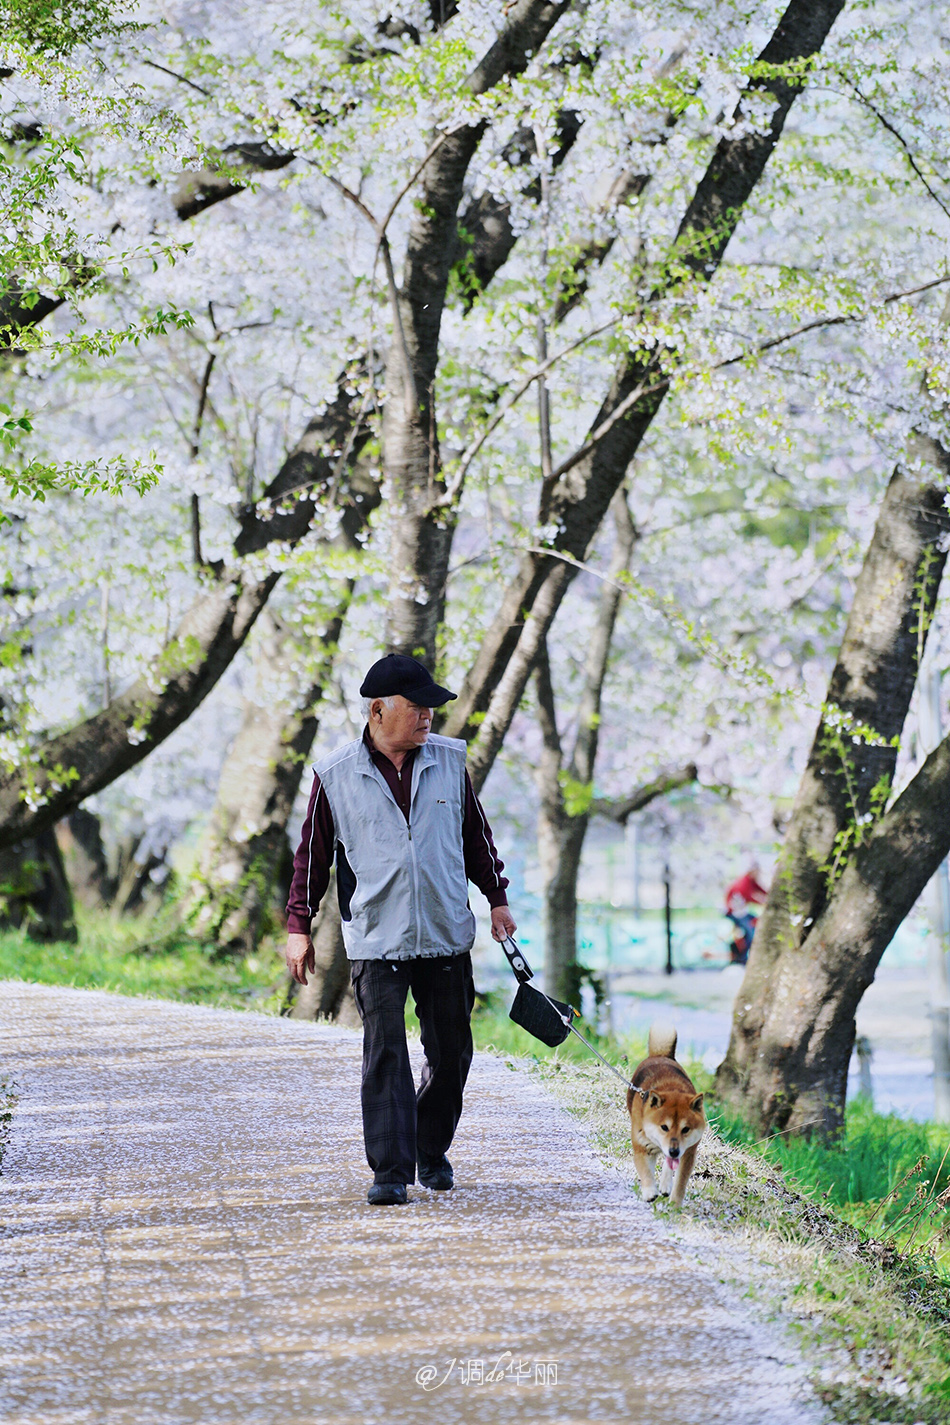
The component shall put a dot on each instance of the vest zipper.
(415, 888)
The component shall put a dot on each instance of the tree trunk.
(560, 843)
(327, 993)
(84, 858)
(422, 529)
(929, 736)
(797, 1079)
(852, 759)
(578, 497)
(144, 871)
(560, 848)
(562, 829)
(230, 898)
(34, 892)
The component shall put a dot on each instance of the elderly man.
(397, 811)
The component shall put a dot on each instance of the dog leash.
(524, 973)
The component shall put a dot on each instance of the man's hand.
(298, 953)
(502, 923)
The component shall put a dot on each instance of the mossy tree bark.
(797, 1078)
(35, 894)
(788, 1055)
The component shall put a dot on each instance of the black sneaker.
(435, 1173)
(387, 1194)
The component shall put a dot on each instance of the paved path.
(186, 1239)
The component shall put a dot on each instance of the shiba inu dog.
(666, 1118)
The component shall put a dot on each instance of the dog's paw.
(651, 1196)
(664, 1192)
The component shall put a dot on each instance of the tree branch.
(547, 708)
(485, 236)
(67, 768)
(584, 757)
(200, 188)
(619, 809)
(577, 502)
(895, 133)
(309, 473)
(454, 488)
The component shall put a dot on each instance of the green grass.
(889, 1177)
(140, 957)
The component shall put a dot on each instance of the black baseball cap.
(397, 674)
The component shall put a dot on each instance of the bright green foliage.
(139, 957)
(57, 27)
(577, 795)
(35, 479)
(840, 734)
(924, 602)
(887, 1176)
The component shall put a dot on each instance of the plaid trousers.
(397, 1117)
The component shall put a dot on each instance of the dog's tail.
(663, 1040)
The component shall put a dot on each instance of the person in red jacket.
(741, 896)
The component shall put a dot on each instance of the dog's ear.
(655, 1100)
(697, 1104)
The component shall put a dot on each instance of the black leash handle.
(522, 970)
(524, 973)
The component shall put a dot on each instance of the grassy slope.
(887, 1174)
(874, 1310)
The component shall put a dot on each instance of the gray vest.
(403, 889)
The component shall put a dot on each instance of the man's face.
(405, 725)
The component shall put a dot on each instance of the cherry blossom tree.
(398, 303)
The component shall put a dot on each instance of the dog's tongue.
(672, 1164)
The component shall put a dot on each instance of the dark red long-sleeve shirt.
(483, 865)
